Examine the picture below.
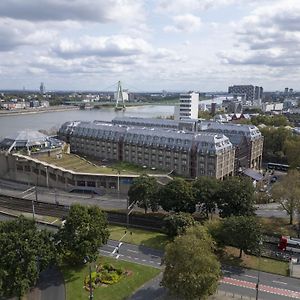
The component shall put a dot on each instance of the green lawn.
(74, 278)
(78, 164)
(152, 239)
(231, 257)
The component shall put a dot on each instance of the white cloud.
(107, 46)
(101, 11)
(15, 33)
(184, 23)
(268, 37)
(187, 6)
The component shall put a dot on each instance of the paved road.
(108, 201)
(51, 285)
(236, 280)
(50, 195)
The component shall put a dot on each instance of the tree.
(205, 190)
(177, 195)
(143, 191)
(24, 253)
(192, 271)
(176, 224)
(242, 232)
(83, 233)
(292, 151)
(236, 197)
(287, 193)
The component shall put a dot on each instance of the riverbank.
(30, 111)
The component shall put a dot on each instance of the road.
(107, 201)
(236, 280)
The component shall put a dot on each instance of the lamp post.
(47, 177)
(258, 273)
(91, 286)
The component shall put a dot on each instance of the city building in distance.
(252, 93)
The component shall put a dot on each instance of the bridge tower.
(120, 98)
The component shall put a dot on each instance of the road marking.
(250, 276)
(132, 251)
(143, 259)
(263, 288)
(136, 258)
(280, 282)
(25, 196)
(129, 256)
(151, 261)
(117, 256)
(122, 237)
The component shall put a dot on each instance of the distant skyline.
(204, 45)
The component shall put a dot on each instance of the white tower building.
(188, 106)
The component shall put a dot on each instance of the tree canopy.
(205, 190)
(287, 193)
(243, 232)
(143, 191)
(192, 271)
(236, 197)
(176, 224)
(83, 233)
(177, 196)
(24, 253)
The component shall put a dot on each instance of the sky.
(150, 45)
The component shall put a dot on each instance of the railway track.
(61, 211)
(41, 208)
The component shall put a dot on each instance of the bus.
(287, 243)
(278, 167)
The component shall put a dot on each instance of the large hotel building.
(189, 147)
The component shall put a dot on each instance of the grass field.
(80, 164)
(75, 163)
(74, 278)
(151, 239)
(230, 256)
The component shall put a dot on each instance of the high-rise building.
(188, 106)
(42, 88)
(251, 92)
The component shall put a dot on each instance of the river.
(52, 120)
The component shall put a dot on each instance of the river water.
(52, 120)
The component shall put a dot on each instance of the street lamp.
(258, 274)
(47, 177)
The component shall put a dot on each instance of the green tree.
(177, 195)
(205, 191)
(287, 193)
(176, 224)
(83, 233)
(242, 232)
(236, 197)
(24, 253)
(192, 271)
(292, 151)
(143, 191)
(274, 143)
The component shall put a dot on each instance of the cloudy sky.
(149, 45)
